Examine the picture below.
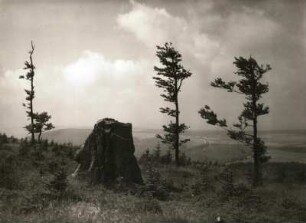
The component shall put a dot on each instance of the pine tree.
(29, 66)
(170, 77)
(41, 123)
(38, 121)
(250, 86)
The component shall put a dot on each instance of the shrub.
(58, 185)
(229, 188)
(37, 156)
(3, 139)
(155, 185)
(13, 139)
(184, 160)
(205, 183)
(145, 157)
(9, 176)
(57, 149)
(167, 158)
(24, 147)
(157, 153)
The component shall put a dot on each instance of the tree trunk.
(256, 154)
(31, 103)
(32, 118)
(39, 137)
(257, 164)
(177, 124)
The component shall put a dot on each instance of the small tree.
(42, 124)
(59, 184)
(29, 66)
(250, 86)
(38, 121)
(170, 77)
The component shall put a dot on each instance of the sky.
(95, 59)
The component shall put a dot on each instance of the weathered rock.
(108, 153)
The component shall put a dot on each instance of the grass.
(196, 193)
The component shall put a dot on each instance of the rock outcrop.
(108, 153)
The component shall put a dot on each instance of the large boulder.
(108, 153)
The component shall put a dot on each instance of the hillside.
(35, 186)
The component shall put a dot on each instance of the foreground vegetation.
(35, 186)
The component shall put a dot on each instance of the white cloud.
(92, 67)
(78, 94)
(203, 34)
(151, 23)
(155, 26)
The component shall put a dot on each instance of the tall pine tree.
(38, 121)
(30, 93)
(249, 85)
(170, 78)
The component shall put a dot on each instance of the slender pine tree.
(30, 93)
(170, 78)
(38, 121)
(250, 86)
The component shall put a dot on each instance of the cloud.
(81, 92)
(155, 26)
(92, 66)
(103, 87)
(212, 33)
(151, 23)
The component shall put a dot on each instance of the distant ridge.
(77, 136)
(69, 135)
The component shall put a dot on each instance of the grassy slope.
(198, 193)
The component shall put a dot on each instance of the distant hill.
(78, 136)
(145, 139)
(74, 136)
(283, 146)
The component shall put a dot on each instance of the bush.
(157, 153)
(24, 147)
(145, 157)
(167, 158)
(3, 139)
(59, 187)
(205, 183)
(9, 176)
(184, 160)
(13, 139)
(229, 188)
(155, 185)
(59, 183)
